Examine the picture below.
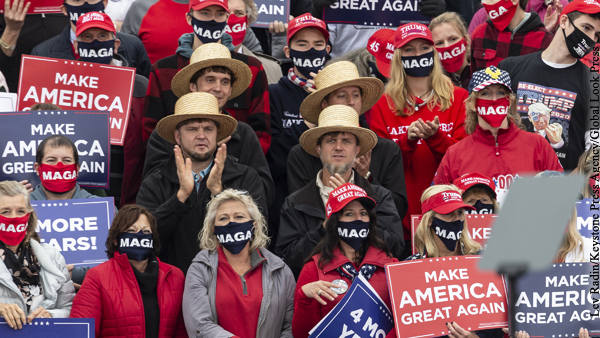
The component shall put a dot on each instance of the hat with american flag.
(490, 75)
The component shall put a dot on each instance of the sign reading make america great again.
(445, 289)
(41, 6)
(387, 13)
(75, 85)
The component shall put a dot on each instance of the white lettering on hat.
(390, 47)
(238, 236)
(413, 29)
(474, 180)
(374, 46)
(500, 110)
(50, 176)
(417, 64)
(135, 243)
(207, 34)
(92, 16)
(449, 196)
(353, 233)
(453, 53)
(308, 63)
(500, 12)
(12, 228)
(102, 52)
(389, 56)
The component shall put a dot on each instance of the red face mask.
(453, 56)
(58, 178)
(236, 27)
(593, 182)
(501, 13)
(13, 230)
(493, 111)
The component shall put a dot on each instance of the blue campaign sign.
(24, 131)
(77, 228)
(360, 313)
(560, 300)
(271, 10)
(387, 13)
(52, 328)
(585, 216)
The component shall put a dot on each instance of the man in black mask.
(557, 78)
(62, 46)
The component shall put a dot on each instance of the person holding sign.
(451, 40)
(421, 110)
(34, 280)
(133, 294)
(235, 271)
(198, 170)
(493, 125)
(478, 191)
(351, 246)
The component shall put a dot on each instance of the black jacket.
(132, 49)
(303, 213)
(179, 224)
(243, 145)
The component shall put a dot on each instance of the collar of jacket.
(308, 199)
(504, 135)
(39, 195)
(230, 171)
(211, 258)
(236, 135)
(532, 23)
(124, 263)
(374, 256)
(186, 41)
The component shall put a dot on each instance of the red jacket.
(111, 295)
(421, 158)
(308, 312)
(517, 152)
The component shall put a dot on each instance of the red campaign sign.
(75, 85)
(41, 6)
(428, 293)
(480, 227)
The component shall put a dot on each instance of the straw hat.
(333, 77)
(196, 106)
(207, 55)
(338, 118)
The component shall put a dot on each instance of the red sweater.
(308, 312)
(517, 152)
(421, 158)
(233, 294)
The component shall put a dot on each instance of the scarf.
(25, 270)
(347, 270)
(302, 83)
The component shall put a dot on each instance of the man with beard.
(178, 193)
(337, 141)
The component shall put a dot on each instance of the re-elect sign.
(24, 131)
(389, 13)
(559, 300)
(77, 228)
(52, 328)
(41, 6)
(441, 290)
(76, 85)
(479, 225)
(360, 313)
(269, 11)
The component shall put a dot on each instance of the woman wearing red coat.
(350, 247)
(497, 147)
(133, 294)
(421, 111)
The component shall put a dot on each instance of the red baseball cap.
(411, 31)
(345, 194)
(305, 21)
(199, 4)
(94, 20)
(583, 6)
(444, 202)
(470, 180)
(381, 46)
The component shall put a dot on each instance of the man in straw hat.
(212, 70)
(337, 141)
(339, 83)
(178, 193)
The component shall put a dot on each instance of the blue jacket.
(132, 49)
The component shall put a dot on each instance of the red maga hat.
(583, 6)
(306, 21)
(381, 46)
(470, 180)
(345, 194)
(94, 20)
(411, 31)
(200, 4)
(444, 202)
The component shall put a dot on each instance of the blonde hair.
(572, 240)
(456, 21)
(472, 120)
(12, 189)
(208, 239)
(424, 237)
(251, 11)
(585, 167)
(397, 90)
(479, 189)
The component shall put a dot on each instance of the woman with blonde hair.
(421, 111)
(251, 280)
(452, 42)
(34, 280)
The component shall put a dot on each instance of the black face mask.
(448, 232)
(208, 31)
(234, 236)
(137, 246)
(481, 208)
(418, 66)
(76, 11)
(578, 44)
(375, 72)
(353, 233)
(309, 61)
(96, 51)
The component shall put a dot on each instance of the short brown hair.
(216, 69)
(128, 215)
(45, 106)
(334, 134)
(190, 121)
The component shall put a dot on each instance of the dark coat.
(303, 213)
(180, 223)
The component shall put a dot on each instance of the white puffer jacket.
(57, 286)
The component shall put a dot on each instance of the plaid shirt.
(489, 46)
(251, 107)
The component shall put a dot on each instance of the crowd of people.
(264, 169)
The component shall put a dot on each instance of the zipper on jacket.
(266, 310)
(497, 150)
